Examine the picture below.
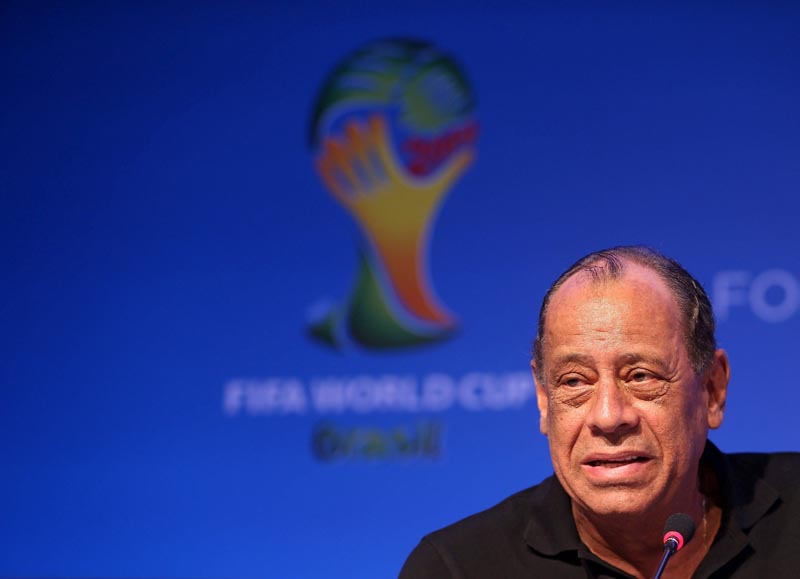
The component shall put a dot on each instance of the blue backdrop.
(195, 377)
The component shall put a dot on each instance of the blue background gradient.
(163, 231)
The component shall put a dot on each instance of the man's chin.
(616, 500)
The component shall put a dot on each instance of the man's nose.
(611, 409)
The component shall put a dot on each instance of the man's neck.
(634, 545)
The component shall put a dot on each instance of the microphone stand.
(670, 546)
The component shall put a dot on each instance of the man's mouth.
(617, 462)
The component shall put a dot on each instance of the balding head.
(609, 265)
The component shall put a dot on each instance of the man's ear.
(541, 400)
(716, 384)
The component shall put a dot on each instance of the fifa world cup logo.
(393, 132)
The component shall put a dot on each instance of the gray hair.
(609, 264)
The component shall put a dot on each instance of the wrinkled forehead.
(636, 287)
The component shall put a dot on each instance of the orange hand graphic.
(394, 209)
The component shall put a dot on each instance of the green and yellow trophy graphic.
(392, 131)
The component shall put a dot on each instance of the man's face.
(625, 414)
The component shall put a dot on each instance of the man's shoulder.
(489, 543)
(504, 524)
(781, 470)
(509, 516)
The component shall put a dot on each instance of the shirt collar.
(746, 498)
(745, 495)
(551, 529)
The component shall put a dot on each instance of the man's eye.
(640, 376)
(572, 382)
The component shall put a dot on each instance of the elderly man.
(628, 383)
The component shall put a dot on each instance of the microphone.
(678, 530)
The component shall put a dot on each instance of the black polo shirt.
(532, 533)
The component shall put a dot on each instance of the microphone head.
(679, 528)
